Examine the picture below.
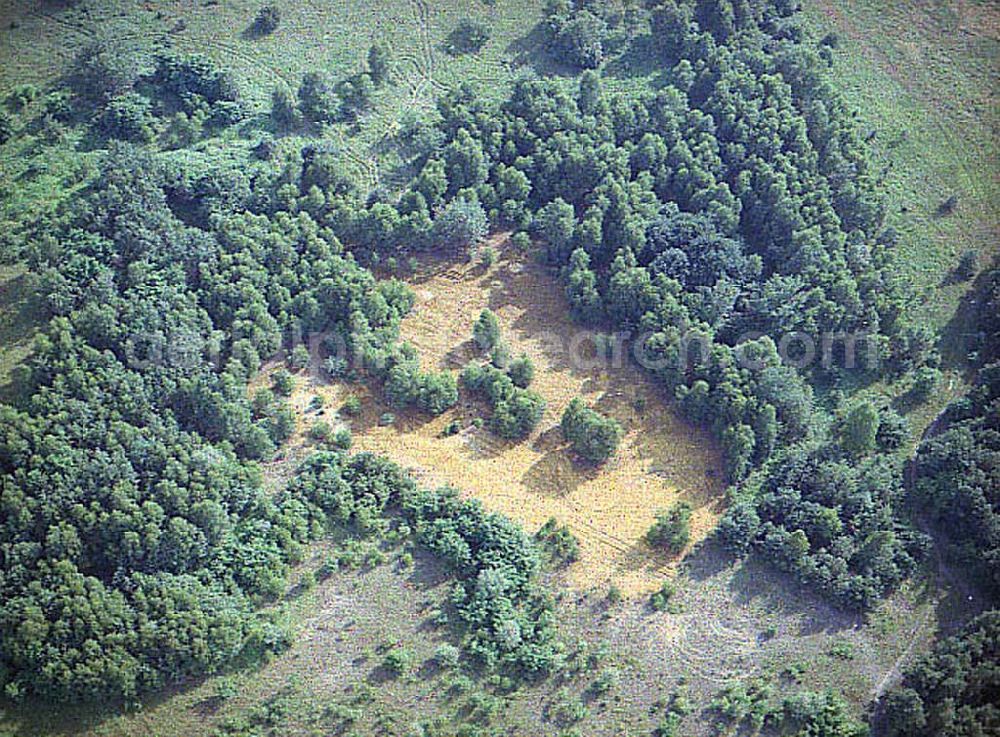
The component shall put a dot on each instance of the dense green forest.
(956, 469)
(952, 690)
(726, 218)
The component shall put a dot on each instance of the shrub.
(468, 37)
(351, 406)
(128, 117)
(672, 528)
(925, 382)
(6, 127)
(947, 207)
(398, 661)
(266, 21)
(821, 714)
(522, 371)
(21, 96)
(486, 331)
(299, 358)
(282, 382)
(446, 655)
(226, 689)
(607, 680)
(320, 431)
(559, 541)
(594, 437)
(342, 439)
(660, 599)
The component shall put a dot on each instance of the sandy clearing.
(661, 459)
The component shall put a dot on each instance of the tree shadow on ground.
(531, 51)
(961, 335)
(758, 581)
(556, 474)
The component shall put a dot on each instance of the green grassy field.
(922, 77)
(729, 621)
(312, 36)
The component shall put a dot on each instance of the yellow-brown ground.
(661, 459)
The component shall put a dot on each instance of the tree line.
(735, 200)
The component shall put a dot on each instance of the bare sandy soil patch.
(661, 460)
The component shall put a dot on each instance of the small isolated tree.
(342, 439)
(500, 356)
(320, 431)
(380, 63)
(580, 41)
(555, 223)
(486, 331)
(437, 392)
(521, 241)
(660, 600)
(589, 97)
(739, 527)
(672, 528)
(738, 443)
(468, 37)
(893, 429)
(947, 207)
(355, 94)
(861, 429)
(594, 437)
(559, 541)
(266, 22)
(108, 67)
(446, 655)
(488, 257)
